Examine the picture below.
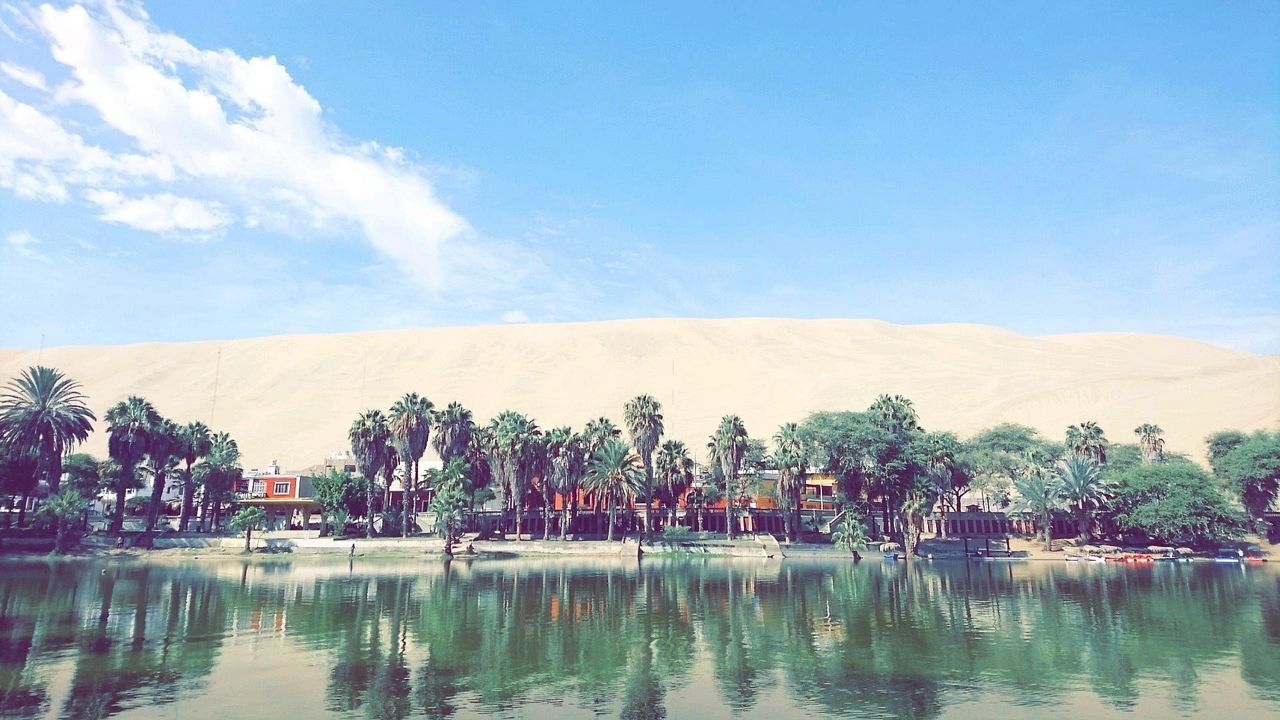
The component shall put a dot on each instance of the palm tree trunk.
(204, 511)
(566, 519)
(611, 511)
(117, 523)
(546, 515)
(648, 496)
(157, 494)
(188, 495)
(248, 533)
(368, 510)
(728, 512)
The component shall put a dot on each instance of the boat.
(1095, 558)
(1072, 558)
(1229, 555)
(891, 557)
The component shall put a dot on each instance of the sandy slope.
(293, 397)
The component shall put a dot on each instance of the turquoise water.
(576, 639)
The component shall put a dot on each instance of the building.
(289, 500)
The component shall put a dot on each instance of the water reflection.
(679, 639)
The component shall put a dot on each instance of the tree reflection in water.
(637, 640)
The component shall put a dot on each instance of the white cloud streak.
(26, 76)
(196, 140)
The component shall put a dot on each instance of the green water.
(575, 639)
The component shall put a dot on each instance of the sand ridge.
(292, 397)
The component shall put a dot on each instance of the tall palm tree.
(642, 415)
(129, 424)
(791, 455)
(597, 432)
(1084, 488)
(454, 428)
(675, 470)
(1040, 494)
(509, 456)
(194, 444)
(163, 449)
(217, 474)
(615, 473)
(896, 411)
(1151, 442)
(410, 424)
(567, 452)
(1088, 440)
(730, 445)
(43, 412)
(370, 443)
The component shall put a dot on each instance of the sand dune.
(292, 398)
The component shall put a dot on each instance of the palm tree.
(1039, 494)
(1088, 440)
(129, 425)
(509, 456)
(675, 471)
(410, 424)
(1082, 485)
(567, 453)
(163, 450)
(730, 445)
(791, 455)
(643, 417)
(218, 474)
(454, 428)
(43, 412)
(615, 473)
(370, 438)
(898, 412)
(1151, 442)
(194, 443)
(597, 432)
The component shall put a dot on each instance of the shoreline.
(269, 548)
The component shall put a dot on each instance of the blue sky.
(192, 170)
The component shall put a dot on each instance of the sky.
(207, 170)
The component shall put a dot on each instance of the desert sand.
(292, 398)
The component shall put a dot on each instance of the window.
(281, 488)
(258, 488)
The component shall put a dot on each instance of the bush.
(676, 532)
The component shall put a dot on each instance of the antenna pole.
(217, 369)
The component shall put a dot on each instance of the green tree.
(1175, 503)
(1039, 494)
(194, 443)
(454, 429)
(643, 418)
(1221, 443)
(218, 474)
(597, 432)
(560, 478)
(730, 447)
(247, 519)
(616, 475)
(163, 450)
(450, 502)
(43, 412)
(410, 424)
(849, 532)
(511, 455)
(63, 508)
(1088, 440)
(791, 455)
(674, 471)
(999, 454)
(129, 426)
(1252, 469)
(1085, 489)
(340, 497)
(83, 473)
(1151, 440)
(370, 443)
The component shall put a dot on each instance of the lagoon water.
(562, 639)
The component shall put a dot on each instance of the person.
(353, 549)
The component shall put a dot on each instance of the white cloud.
(26, 76)
(159, 213)
(515, 316)
(203, 138)
(23, 244)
